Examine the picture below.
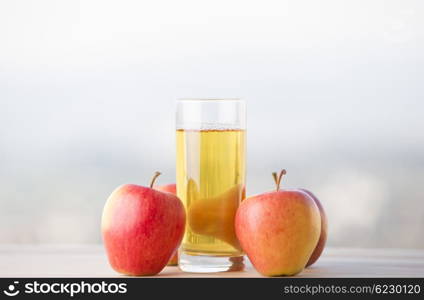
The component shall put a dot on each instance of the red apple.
(324, 229)
(170, 188)
(141, 228)
(278, 230)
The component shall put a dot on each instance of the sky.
(333, 89)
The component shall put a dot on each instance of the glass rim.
(209, 99)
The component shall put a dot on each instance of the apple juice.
(210, 182)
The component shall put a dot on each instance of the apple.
(278, 230)
(324, 229)
(214, 216)
(170, 188)
(141, 228)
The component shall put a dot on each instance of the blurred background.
(334, 92)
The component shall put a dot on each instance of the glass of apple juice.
(210, 181)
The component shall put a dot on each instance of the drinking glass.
(210, 181)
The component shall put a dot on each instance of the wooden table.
(90, 261)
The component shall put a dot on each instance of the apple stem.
(152, 182)
(277, 178)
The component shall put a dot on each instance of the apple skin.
(141, 229)
(278, 231)
(170, 188)
(324, 230)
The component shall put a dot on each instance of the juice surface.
(210, 182)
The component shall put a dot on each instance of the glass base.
(209, 264)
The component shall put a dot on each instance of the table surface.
(90, 261)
